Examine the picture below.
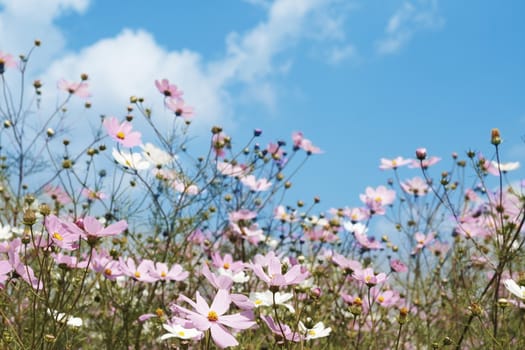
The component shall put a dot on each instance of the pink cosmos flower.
(225, 281)
(368, 277)
(79, 89)
(422, 241)
(213, 317)
(385, 298)
(300, 142)
(422, 161)
(244, 215)
(6, 60)
(280, 213)
(93, 195)
(57, 193)
(393, 163)
(274, 275)
(439, 248)
(180, 108)
(367, 242)
(23, 270)
(320, 234)
(275, 150)
(122, 132)
(59, 234)
(219, 142)
(232, 170)
(140, 272)
(282, 331)
(376, 199)
(5, 270)
(226, 262)
(256, 185)
(356, 214)
(161, 272)
(347, 264)
(68, 261)
(104, 264)
(167, 89)
(398, 266)
(90, 228)
(218, 281)
(416, 186)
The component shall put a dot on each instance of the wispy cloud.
(406, 21)
(339, 54)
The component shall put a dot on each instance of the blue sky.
(362, 79)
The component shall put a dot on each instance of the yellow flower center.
(163, 274)
(258, 302)
(381, 298)
(226, 266)
(120, 135)
(368, 278)
(212, 316)
(159, 312)
(137, 274)
(58, 236)
(181, 333)
(311, 332)
(377, 199)
(107, 272)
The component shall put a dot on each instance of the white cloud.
(23, 21)
(128, 63)
(409, 18)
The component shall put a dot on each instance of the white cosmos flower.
(155, 155)
(504, 167)
(177, 331)
(237, 277)
(62, 317)
(317, 331)
(232, 170)
(130, 160)
(266, 299)
(6, 232)
(514, 288)
(256, 185)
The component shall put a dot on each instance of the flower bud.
(29, 218)
(44, 209)
(421, 153)
(495, 137)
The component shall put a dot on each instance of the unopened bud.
(495, 137)
(29, 218)
(44, 209)
(421, 153)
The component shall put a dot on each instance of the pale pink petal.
(221, 337)
(221, 302)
